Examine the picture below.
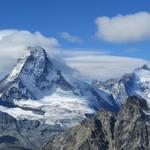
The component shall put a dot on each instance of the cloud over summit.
(92, 64)
(14, 42)
(102, 67)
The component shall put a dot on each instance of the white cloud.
(71, 38)
(102, 67)
(93, 64)
(127, 28)
(14, 42)
(82, 52)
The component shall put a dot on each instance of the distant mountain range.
(41, 98)
(136, 83)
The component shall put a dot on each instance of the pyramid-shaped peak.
(34, 64)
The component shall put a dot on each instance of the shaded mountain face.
(136, 83)
(33, 77)
(10, 136)
(24, 134)
(36, 76)
(129, 129)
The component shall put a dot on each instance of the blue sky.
(76, 17)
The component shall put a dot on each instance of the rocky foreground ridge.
(127, 130)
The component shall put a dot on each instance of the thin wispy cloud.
(124, 28)
(72, 52)
(71, 38)
(102, 67)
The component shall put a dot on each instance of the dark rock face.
(127, 130)
(24, 134)
(132, 129)
(10, 135)
(88, 135)
(6, 119)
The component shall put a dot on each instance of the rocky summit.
(129, 129)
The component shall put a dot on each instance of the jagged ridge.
(135, 83)
(129, 129)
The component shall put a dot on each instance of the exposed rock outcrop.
(127, 130)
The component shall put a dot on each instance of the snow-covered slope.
(38, 88)
(141, 81)
(136, 83)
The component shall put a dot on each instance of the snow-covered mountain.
(41, 98)
(136, 83)
(38, 88)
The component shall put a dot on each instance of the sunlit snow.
(59, 109)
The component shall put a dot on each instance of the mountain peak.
(145, 67)
(29, 75)
(36, 51)
(34, 63)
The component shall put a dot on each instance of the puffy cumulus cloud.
(71, 38)
(13, 44)
(102, 67)
(128, 28)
